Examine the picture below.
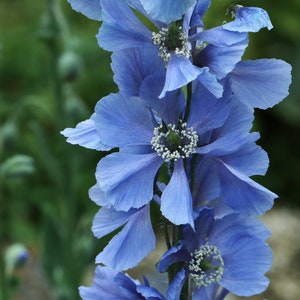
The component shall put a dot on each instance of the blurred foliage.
(52, 72)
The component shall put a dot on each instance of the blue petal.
(91, 8)
(180, 71)
(257, 256)
(199, 10)
(123, 121)
(107, 220)
(176, 199)
(249, 19)
(206, 292)
(176, 285)
(136, 63)
(207, 112)
(86, 135)
(98, 196)
(243, 194)
(175, 254)
(121, 28)
(209, 80)
(220, 37)
(221, 60)
(103, 286)
(149, 293)
(167, 10)
(127, 179)
(261, 83)
(130, 246)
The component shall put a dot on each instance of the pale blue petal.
(249, 19)
(98, 196)
(261, 83)
(121, 28)
(123, 121)
(107, 220)
(199, 10)
(86, 135)
(127, 179)
(167, 10)
(130, 246)
(176, 199)
(180, 71)
(91, 8)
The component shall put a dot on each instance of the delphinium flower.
(110, 284)
(229, 253)
(178, 44)
(147, 138)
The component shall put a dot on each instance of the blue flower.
(119, 254)
(111, 284)
(228, 253)
(178, 44)
(150, 133)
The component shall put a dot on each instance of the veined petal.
(136, 63)
(243, 194)
(261, 83)
(91, 9)
(257, 256)
(199, 10)
(86, 135)
(127, 179)
(98, 196)
(180, 71)
(121, 28)
(220, 37)
(221, 60)
(107, 220)
(207, 112)
(176, 285)
(132, 244)
(176, 199)
(167, 10)
(209, 80)
(123, 121)
(249, 19)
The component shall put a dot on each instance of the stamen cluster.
(173, 143)
(206, 265)
(169, 40)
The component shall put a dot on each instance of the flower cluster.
(179, 137)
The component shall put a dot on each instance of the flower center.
(173, 143)
(206, 265)
(171, 40)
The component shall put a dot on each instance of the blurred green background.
(52, 73)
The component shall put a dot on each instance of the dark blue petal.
(200, 9)
(261, 83)
(176, 285)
